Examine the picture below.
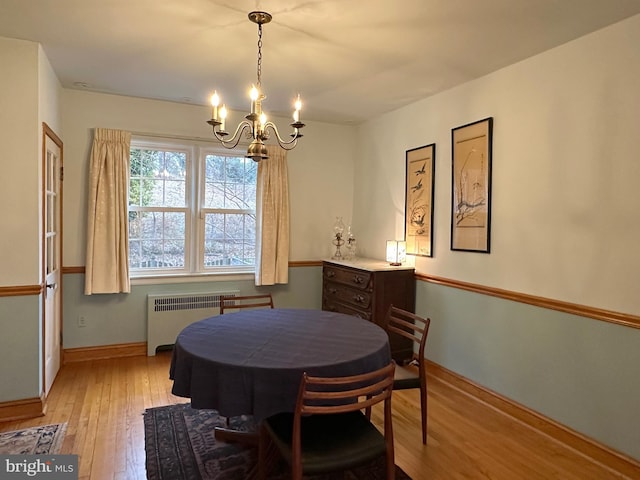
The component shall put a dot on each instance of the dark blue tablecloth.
(251, 362)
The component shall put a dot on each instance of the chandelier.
(255, 126)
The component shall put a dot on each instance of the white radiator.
(167, 315)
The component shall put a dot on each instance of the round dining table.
(251, 362)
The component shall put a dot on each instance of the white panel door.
(52, 330)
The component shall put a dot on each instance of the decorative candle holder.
(338, 228)
(351, 244)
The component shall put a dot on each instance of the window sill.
(166, 278)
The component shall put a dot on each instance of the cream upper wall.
(49, 90)
(320, 167)
(49, 94)
(565, 222)
(20, 160)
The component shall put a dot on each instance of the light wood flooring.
(102, 402)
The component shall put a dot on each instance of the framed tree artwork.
(471, 186)
(420, 164)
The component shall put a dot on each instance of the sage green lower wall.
(580, 372)
(122, 318)
(583, 373)
(20, 350)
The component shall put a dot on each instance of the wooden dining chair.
(411, 373)
(328, 432)
(229, 302)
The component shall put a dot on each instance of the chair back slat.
(409, 325)
(229, 302)
(403, 333)
(344, 394)
(350, 407)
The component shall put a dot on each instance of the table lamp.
(396, 252)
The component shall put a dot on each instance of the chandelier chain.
(259, 69)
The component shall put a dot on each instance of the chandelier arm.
(287, 145)
(235, 139)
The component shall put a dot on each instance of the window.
(191, 210)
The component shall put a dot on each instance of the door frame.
(47, 132)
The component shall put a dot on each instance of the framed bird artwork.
(471, 186)
(419, 200)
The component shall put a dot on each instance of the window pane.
(135, 253)
(229, 239)
(250, 171)
(174, 253)
(158, 178)
(157, 239)
(175, 165)
(135, 224)
(235, 227)
(230, 182)
(250, 195)
(214, 195)
(214, 181)
(174, 193)
(214, 226)
(234, 170)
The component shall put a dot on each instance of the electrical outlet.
(82, 321)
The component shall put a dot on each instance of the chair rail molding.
(618, 318)
(21, 290)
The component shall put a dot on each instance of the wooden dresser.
(365, 288)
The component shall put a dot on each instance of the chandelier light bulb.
(298, 104)
(223, 116)
(253, 93)
(215, 99)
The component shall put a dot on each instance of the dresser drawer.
(354, 278)
(332, 306)
(344, 294)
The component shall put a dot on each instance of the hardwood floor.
(102, 402)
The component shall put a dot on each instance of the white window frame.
(196, 152)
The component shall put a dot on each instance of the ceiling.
(349, 59)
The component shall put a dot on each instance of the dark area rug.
(180, 445)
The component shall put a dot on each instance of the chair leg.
(423, 414)
(391, 465)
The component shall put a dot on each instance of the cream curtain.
(272, 219)
(107, 263)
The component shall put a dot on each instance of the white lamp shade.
(396, 252)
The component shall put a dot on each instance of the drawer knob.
(333, 291)
(331, 274)
(358, 298)
(357, 279)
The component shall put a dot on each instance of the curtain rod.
(172, 136)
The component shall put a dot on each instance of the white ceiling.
(349, 59)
